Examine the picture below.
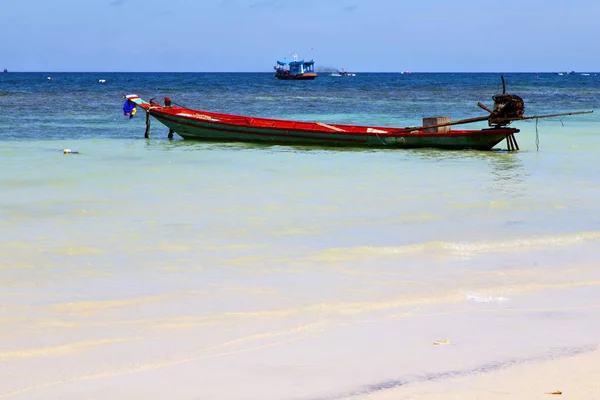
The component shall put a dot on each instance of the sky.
(250, 35)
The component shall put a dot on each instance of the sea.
(160, 268)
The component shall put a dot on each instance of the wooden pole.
(147, 133)
(480, 105)
(553, 115)
(511, 143)
(514, 139)
(486, 118)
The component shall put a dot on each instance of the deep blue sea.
(77, 106)
(134, 266)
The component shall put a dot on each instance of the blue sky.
(250, 35)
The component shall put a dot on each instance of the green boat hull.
(192, 129)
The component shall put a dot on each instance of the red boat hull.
(206, 125)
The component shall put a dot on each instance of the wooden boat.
(435, 132)
(295, 69)
(212, 126)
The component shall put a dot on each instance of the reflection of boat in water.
(295, 69)
(343, 73)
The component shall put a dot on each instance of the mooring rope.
(380, 139)
(537, 135)
(177, 104)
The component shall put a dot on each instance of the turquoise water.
(171, 246)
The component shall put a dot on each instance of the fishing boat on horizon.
(295, 69)
(436, 132)
(343, 72)
(564, 73)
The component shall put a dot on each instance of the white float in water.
(101, 80)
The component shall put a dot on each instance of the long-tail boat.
(435, 132)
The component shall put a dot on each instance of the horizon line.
(322, 72)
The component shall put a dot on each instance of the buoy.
(101, 80)
(67, 151)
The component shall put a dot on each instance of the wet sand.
(569, 377)
(467, 347)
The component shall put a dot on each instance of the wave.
(462, 248)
